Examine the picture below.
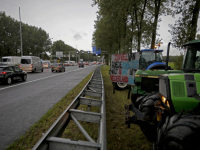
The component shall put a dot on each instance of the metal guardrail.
(51, 140)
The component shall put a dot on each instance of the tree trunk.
(194, 21)
(139, 25)
(157, 9)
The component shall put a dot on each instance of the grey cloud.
(77, 36)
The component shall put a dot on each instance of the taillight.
(58, 66)
(19, 66)
(3, 72)
(31, 65)
(51, 66)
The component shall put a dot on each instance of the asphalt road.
(24, 103)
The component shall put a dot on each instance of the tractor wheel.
(180, 132)
(134, 98)
(146, 106)
(121, 86)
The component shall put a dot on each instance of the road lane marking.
(38, 79)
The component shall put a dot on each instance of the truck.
(10, 60)
(170, 117)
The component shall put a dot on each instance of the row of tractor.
(165, 102)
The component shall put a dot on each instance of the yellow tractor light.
(159, 116)
(164, 100)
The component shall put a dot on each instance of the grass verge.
(119, 136)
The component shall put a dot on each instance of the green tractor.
(146, 78)
(171, 117)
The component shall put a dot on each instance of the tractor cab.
(191, 61)
(150, 58)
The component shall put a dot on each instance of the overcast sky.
(71, 21)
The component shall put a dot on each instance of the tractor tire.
(121, 86)
(136, 100)
(133, 99)
(146, 106)
(180, 132)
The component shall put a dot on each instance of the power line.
(30, 17)
(22, 10)
(10, 3)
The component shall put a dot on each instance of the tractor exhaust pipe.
(167, 58)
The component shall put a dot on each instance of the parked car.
(46, 64)
(58, 67)
(8, 74)
(81, 64)
(31, 64)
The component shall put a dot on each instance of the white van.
(31, 64)
(10, 60)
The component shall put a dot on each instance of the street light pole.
(20, 33)
(88, 56)
(69, 56)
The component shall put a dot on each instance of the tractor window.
(148, 56)
(159, 57)
(192, 58)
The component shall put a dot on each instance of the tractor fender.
(156, 64)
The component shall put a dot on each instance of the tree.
(185, 28)
(9, 36)
(157, 8)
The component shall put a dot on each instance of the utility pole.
(69, 57)
(20, 33)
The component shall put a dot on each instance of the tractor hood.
(182, 90)
(155, 73)
(156, 64)
(184, 76)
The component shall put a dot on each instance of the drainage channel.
(92, 95)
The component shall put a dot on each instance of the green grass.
(119, 136)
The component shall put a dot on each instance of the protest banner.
(123, 67)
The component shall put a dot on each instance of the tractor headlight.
(165, 101)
